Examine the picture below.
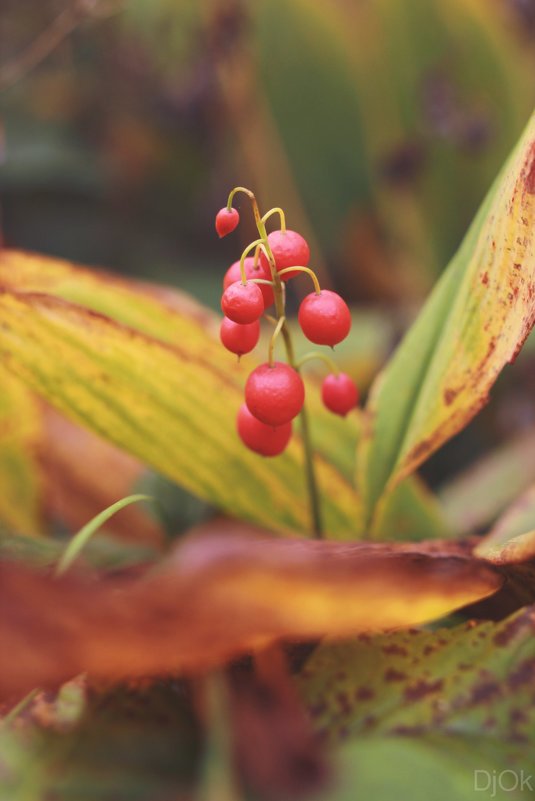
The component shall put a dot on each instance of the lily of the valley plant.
(253, 659)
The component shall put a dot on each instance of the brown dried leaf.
(221, 594)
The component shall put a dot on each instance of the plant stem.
(278, 211)
(310, 473)
(273, 339)
(314, 499)
(317, 354)
(308, 271)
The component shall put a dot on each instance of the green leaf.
(82, 537)
(132, 744)
(473, 324)
(449, 702)
(411, 769)
(475, 497)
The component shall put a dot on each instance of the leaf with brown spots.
(222, 593)
(448, 702)
(474, 323)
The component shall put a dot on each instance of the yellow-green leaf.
(20, 484)
(173, 406)
(472, 325)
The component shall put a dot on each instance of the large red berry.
(237, 338)
(289, 249)
(226, 221)
(274, 395)
(233, 274)
(324, 318)
(260, 438)
(242, 303)
(339, 393)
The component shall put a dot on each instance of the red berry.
(226, 221)
(237, 338)
(339, 393)
(324, 318)
(233, 274)
(274, 395)
(260, 438)
(289, 249)
(242, 303)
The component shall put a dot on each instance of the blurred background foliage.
(378, 125)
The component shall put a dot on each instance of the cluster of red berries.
(274, 392)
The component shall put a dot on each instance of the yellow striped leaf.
(171, 405)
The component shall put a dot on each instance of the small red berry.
(324, 318)
(226, 221)
(233, 274)
(260, 438)
(242, 303)
(289, 249)
(339, 393)
(237, 338)
(274, 395)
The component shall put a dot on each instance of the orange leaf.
(221, 594)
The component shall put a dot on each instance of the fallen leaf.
(221, 593)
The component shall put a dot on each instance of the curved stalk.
(306, 270)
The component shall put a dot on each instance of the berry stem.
(279, 294)
(252, 198)
(260, 281)
(278, 211)
(274, 335)
(244, 255)
(316, 354)
(309, 272)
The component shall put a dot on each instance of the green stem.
(247, 250)
(315, 509)
(317, 354)
(306, 270)
(273, 339)
(310, 473)
(278, 211)
(250, 195)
